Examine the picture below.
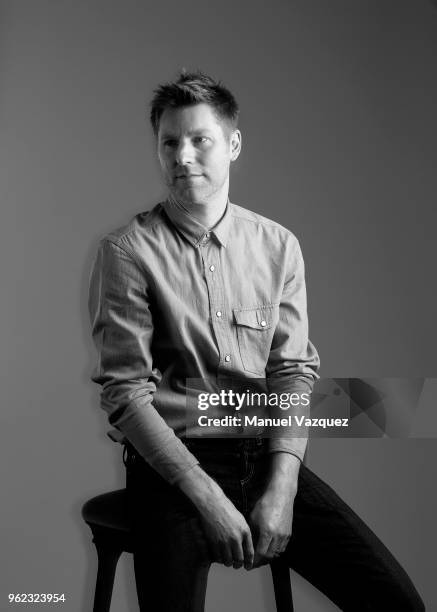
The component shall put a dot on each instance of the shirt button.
(227, 358)
(219, 313)
(212, 268)
(263, 323)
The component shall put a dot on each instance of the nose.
(184, 153)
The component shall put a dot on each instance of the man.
(199, 288)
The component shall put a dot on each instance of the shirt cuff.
(155, 441)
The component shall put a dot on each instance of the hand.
(272, 516)
(228, 534)
(271, 523)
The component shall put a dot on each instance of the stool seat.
(107, 510)
(108, 518)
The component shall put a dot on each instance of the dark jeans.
(330, 546)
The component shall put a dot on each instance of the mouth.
(187, 176)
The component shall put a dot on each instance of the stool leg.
(282, 586)
(107, 564)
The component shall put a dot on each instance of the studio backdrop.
(338, 121)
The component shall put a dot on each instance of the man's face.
(195, 149)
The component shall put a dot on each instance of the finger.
(280, 542)
(248, 550)
(237, 554)
(226, 554)
(262, 546)
(259, 561)
(276, 548)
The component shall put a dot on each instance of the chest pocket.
(255, 329)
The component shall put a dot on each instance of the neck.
(208, 213)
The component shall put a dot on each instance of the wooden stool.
(107, 516)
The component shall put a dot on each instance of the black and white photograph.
(218, 256)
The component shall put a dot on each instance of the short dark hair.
(194, 88)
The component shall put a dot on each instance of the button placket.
(215, 292)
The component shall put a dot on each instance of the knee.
(415, 604)
(410, 600)
(397, 589)
(395, 592)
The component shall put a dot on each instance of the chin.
(191, 195)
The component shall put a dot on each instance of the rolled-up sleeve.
(122, 330)
(293, 361)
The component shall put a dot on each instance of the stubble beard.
(188, 196)
(202, 194)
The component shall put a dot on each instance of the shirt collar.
(192, 229)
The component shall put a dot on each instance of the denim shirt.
(171, 300)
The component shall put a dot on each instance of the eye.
(201, 139)
(170, 142)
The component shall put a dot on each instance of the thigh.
(337, 552)
(171, 559)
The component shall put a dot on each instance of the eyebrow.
(191, 133)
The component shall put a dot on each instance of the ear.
(235, 143)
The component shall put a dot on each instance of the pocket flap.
(258, 318)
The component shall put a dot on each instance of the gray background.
(338, 119)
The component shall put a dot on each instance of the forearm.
(291, 438)
(283, 474)
(290, 444)
(203, 490)
(272, 516)
(226, 529)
